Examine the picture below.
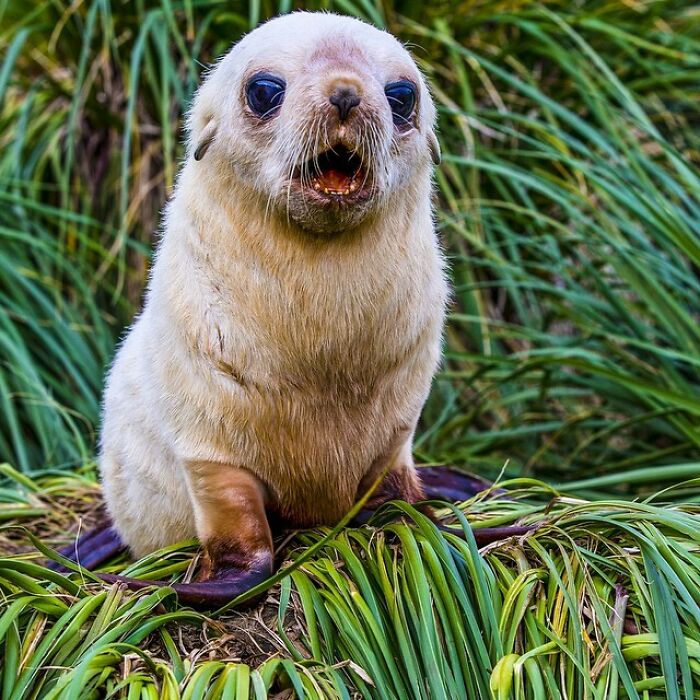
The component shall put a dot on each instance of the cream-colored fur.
(302, 354)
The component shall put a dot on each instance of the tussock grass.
(601, 601)
(573, 218)
(567, 200)
(568, 205)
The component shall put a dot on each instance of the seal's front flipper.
(233, 528)
(222, 585)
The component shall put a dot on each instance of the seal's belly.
(313, 456)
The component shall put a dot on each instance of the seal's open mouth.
(338, 173)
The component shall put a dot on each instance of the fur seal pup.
(293, 319)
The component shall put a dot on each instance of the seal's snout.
(344, 98)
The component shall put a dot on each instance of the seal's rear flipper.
(438, 483)
(443, 483)
(91, 549)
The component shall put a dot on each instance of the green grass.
(568, 205)
(575, 231)
(601, 601)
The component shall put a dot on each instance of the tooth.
(325, 190)
(347, 191)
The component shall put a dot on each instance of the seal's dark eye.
(265, 94)
(402, 99)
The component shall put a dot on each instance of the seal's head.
(323, 117)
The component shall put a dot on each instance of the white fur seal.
(293, 320)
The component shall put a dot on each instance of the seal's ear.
(434, 147)
(205, 139)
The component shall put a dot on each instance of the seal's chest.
(345, 341)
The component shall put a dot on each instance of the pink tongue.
(335, 180)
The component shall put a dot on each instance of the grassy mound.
(600, 601)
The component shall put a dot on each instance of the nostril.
(344, 99)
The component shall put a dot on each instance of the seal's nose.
(344, 98)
